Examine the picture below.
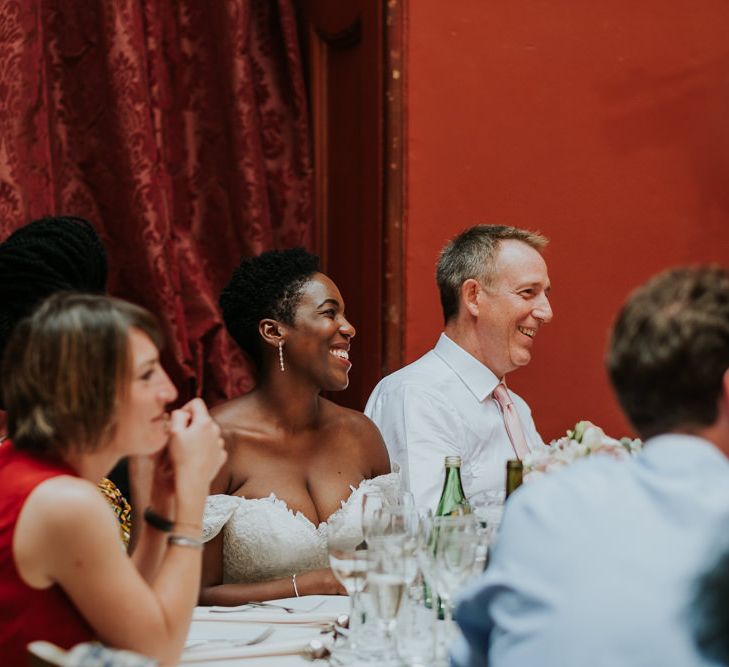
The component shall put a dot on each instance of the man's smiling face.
(512, 307)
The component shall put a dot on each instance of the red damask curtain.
(179, 129)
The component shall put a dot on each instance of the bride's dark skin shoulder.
(312, 470)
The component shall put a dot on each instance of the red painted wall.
(604, 124)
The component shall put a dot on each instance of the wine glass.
(417, 622)
(405, 499)
(374, 504)
(425, 553)
(488, 507)
(456, 540)
(387, 585)
(404, 522)
(349, 565)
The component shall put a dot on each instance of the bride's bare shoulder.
(337, 416)
(359, 432)
(243, 433)
(234, 412)
(241, 421)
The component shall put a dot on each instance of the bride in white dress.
(294, 458)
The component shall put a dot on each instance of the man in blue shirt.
(597, 564)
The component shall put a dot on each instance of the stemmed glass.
(456, 539)
(425, 546)
(405, 499)
(387, 583)
(488, 506)
(373, 505)
(400, 521)
(349, 565)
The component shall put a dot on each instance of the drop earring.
(280, 356)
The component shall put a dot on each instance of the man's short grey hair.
(472, 254)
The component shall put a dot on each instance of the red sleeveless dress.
(28, 614)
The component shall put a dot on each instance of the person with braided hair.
(52, 254)
(49, 255)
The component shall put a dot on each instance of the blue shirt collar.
(677, 450)
(479, 379)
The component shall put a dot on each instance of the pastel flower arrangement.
(583, 440)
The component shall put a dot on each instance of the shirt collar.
(477, 377)
(677, 450)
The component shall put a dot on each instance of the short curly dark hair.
(268, 285)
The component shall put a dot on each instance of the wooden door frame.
(393, 335)
(330, 28)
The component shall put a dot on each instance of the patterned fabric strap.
(120, 506)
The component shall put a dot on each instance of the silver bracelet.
(183, 541)
(293, 581)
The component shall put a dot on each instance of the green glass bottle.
(452, 498)
(452, 502)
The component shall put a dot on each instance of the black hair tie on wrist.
(157, 521)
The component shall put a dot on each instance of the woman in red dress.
(83, 387)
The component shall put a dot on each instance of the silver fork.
(232, 643)
(248, 605)
(288, 610)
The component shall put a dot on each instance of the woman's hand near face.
(196, 450)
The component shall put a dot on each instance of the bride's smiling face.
(317, 344)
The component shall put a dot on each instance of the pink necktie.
(511, 421)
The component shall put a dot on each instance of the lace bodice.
(263, 539)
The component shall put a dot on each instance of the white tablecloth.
(236, 627)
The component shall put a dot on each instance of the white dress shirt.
(441, 405)
(596, 564)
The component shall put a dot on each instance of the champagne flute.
(373, 506)
(488, 508)
(402, 521)
(456, 541)
(387, 585)
(405, 499)
(349, 565)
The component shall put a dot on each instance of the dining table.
(278, 633)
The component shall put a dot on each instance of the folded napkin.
(288, 647)
(266, 615)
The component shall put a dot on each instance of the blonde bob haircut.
(65, 368)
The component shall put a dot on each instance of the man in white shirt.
(598, 564)
(493, 286)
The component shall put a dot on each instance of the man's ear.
(272, 332)
(469, 296)
(724, 396)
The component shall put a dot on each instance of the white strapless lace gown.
(263, 539)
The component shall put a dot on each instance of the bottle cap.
(453, 461)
